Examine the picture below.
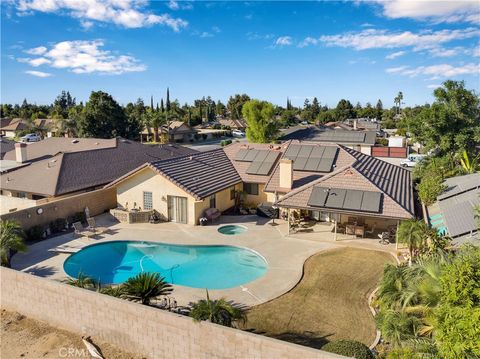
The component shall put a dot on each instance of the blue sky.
(362, 51)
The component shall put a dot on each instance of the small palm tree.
(146, 286)
(82, 281)
(413, 233)
(11, 235)
(113, 291)
(217, 311)
(469, 165)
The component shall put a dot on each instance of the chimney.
(21, 152)
(355, 124)
(286, 173)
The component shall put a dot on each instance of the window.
(232, 193)
(213, 202)
(251, 188)
(147, 200)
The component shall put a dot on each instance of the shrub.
(34, 233)
(225, 142)
(77, 217)
(57, 225)
(349, 348)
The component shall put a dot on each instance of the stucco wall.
(137, 328)
(260, 198)
(97, 202)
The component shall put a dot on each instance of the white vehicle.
(31, 137)
(412, 160)
(238, 133)
(305, 123)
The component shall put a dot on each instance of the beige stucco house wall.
(257, 199)
(130, 191)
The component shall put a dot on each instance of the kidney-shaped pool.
(212, 267)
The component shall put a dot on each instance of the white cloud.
(173, 5)
(308, 41)
(436, 71)
(126, 13)
(257, 36)
(434, 86)
(283, 41)
(38, 73)
(37, 50)
(375, 39)
(442, 52)
(179, 5)
(86, 57)
(437, 11)
(394, 55)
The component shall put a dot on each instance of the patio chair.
(369, 232)
(92, 225)
(81, 231)
(384, 238)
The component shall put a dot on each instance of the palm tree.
(217, 311)
(398, 101)
(469, 165)
(82, 281)
(113, 291)
(413, 233)
(146, 286)
(11, 235)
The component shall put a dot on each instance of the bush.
(57, 225)
(34, 233)
(225, 142)
(349, 348)
(77, 217)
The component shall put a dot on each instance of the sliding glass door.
(177, 209)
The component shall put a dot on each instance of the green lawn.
(329, 303)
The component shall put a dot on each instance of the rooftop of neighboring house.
(325, 134)
(175, 127)
(454, 208)
(13, 124)
(6, 145)
(57, 166)
(233, 123)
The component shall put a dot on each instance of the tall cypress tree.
(168, 99)
(151, 103)
(162, 107)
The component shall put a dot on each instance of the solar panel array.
(342, 136)
(262, 161)
(345, 199)
(312, 158)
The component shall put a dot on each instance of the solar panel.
(253, 168)
(299, 163)
(318, 197)
(250, 156)
(335, 198)
(305, 151)
(371, 201)
(241, 155)
(272, 156)
(261, 155)
(292, 151)
(317, 152)
(330, 152)
(353, 200)
(325, 165)
(265, 168)
(312, 164)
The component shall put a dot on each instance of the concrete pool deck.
(285, 254)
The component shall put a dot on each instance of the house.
(11, 128)
(362, 141)
(181, 189)
(367, 190)
(233, 124)
(59, 167)
(454, 211)
(178, 131)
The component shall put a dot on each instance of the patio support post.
(335, 229)
(288, 221)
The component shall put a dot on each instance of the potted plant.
(203, 221)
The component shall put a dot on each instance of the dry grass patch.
(329, 303)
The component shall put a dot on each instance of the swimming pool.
(232, 229)
(212, 267)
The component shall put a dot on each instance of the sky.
(358, 50)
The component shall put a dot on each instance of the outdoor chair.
(92, 225)
(384, 238)
(81, 231)
(369, 232)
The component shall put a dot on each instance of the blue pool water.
(212, 267)
(232, 229)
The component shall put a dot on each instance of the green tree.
(379, 110)
(217, 311)
(429, 188)
(103, 117)
(344, 110)
(146, 286)
(349, 348)
(235, 104)
(398, 101)
(413, 234)
(62, 104)
(470, 164)
(451, 123)
(259, 116)
(458, 315)
(315, 108)
(11, 239)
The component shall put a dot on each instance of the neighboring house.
(362, 141)
(371, 191)
(178, 131)
(58, 167)
(453, 213)
(233, 124)
(12, 127)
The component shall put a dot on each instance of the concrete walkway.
(285, 254)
